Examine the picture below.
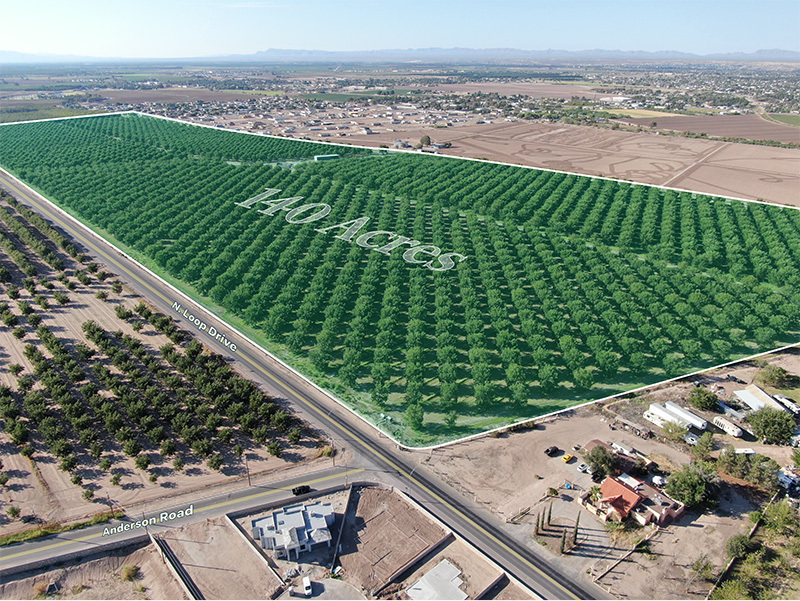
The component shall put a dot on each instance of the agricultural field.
(751, 127)
(788, 119)
(438, 297)
(104, 400)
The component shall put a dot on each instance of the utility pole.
(247, 469)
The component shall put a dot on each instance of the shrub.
(129, 572)
(702, 398)
(737, 546)
(602, 461)
(772, 425)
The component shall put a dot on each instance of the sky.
(181, 28)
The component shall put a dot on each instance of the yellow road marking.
(206, 508)
(409, 476)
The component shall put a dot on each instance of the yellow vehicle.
(567, 458)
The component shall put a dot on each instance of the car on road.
(582, 468)
(301, 490)
(568, 457)
(550, 451)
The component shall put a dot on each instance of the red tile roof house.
(626, 496)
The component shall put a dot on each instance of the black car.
(301, 490)
(550, 451)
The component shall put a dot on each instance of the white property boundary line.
(402, 151)
(507, 427)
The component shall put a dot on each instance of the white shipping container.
(666, 416)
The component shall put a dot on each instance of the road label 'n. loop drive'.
(204, 327)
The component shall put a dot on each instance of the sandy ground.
(707, 166)
(511, 591)
(39, 488)
(381, 536)
(219, 562)
(752, 127)
(502, 472)
(100, 579)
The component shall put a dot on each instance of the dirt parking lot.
(510, 473)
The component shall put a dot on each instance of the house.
(626, 496)
(294, 528)
(617, 500)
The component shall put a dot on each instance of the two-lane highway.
(162, 519)
(373, 451)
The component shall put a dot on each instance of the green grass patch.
(787, 119)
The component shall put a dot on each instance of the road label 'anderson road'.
(164, 516)
(204, 327)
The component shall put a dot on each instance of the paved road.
(164, 518)
(372, 450)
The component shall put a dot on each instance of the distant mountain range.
(427, 55)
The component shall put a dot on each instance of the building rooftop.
(619, 495)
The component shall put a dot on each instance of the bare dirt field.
(174, 95)
(510, 475)
(219, 562)
(706, 166)
(382, 533)
(101, 579)
(533, 89)
(751, 127)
